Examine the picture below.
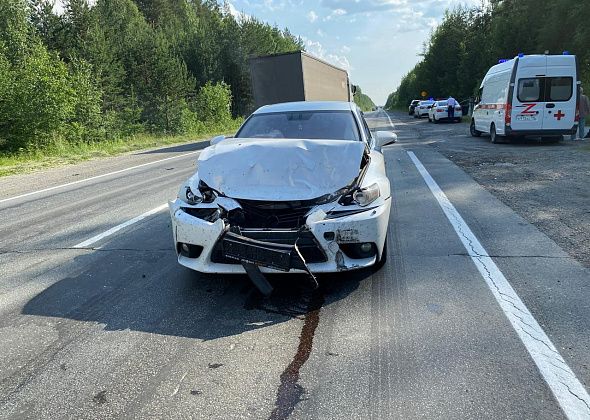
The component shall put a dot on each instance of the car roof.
(306, 106)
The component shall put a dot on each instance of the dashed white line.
(567, 389)
(117, 228)
(96, 177)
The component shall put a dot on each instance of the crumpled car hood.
(280, 169)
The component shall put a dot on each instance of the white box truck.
(530, 95)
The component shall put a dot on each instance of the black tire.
(429, 119)
(493, 134)
(473, 131)
(434, 120)
(383, 258)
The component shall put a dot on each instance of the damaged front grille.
(271, 214)
(306, 243)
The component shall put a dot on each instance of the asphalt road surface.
(476, 314)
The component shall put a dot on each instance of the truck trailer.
(297, 76)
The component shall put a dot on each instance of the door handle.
(550, 106)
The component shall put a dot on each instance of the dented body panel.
(280, 169)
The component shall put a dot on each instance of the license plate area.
(264, 254)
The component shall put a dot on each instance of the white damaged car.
(300, 188)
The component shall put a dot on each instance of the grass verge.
(64, 153)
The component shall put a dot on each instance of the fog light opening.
(366, 247)
(188, 250)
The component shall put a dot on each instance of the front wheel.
(473, 131)
(382, 260)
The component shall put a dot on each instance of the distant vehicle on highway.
(422, 108)
(439, 111)
(530, 95)
(412, 106)
(301, 188)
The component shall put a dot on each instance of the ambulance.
(528, 96)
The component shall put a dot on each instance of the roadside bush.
(41, 100)
(213, 103)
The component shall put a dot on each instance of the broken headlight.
(190, 197)
(365, 196)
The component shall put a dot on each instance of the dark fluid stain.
(215, 365)
(290, 393)
(100, 398)
(435, 308)
(288, 299)
(329, 353)
(63, 366)
(195, 392)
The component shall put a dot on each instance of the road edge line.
(117, 228)
(569, 392)
(5, 200)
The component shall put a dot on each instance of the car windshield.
(331, 125)
(442, 103)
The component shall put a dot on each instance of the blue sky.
(377, 41)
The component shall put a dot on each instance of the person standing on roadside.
(584, 110)
(451, 103)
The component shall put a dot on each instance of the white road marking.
(567, 389)
(96, 177)
(390, 122)
(117, 228)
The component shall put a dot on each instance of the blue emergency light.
(566, 53)
(521, 55)
(502, 60)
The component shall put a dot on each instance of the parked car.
(439, 111)
(301, 188)
(529, 95)
(412, 106)
(422, 108)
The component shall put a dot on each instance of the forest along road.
(476, 314)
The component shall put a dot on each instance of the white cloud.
(239, 16)
(317, 49)
(312, 16)
(335, 13)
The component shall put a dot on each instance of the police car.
(440, 112)
(530, 95)
(422, 108)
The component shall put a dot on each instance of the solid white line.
(117, 228)
(567, 389)
(390, 122)
(96, 177)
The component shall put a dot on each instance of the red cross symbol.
(559, 115)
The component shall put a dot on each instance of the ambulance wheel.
(493, 135)
(473, 131)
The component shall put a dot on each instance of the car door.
(560, 103)
(528, 100)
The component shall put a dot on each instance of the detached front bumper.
(327, 241)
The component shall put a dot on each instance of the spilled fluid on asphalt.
(290, 392)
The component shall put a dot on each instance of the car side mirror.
(216, 140)
(383, 138)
